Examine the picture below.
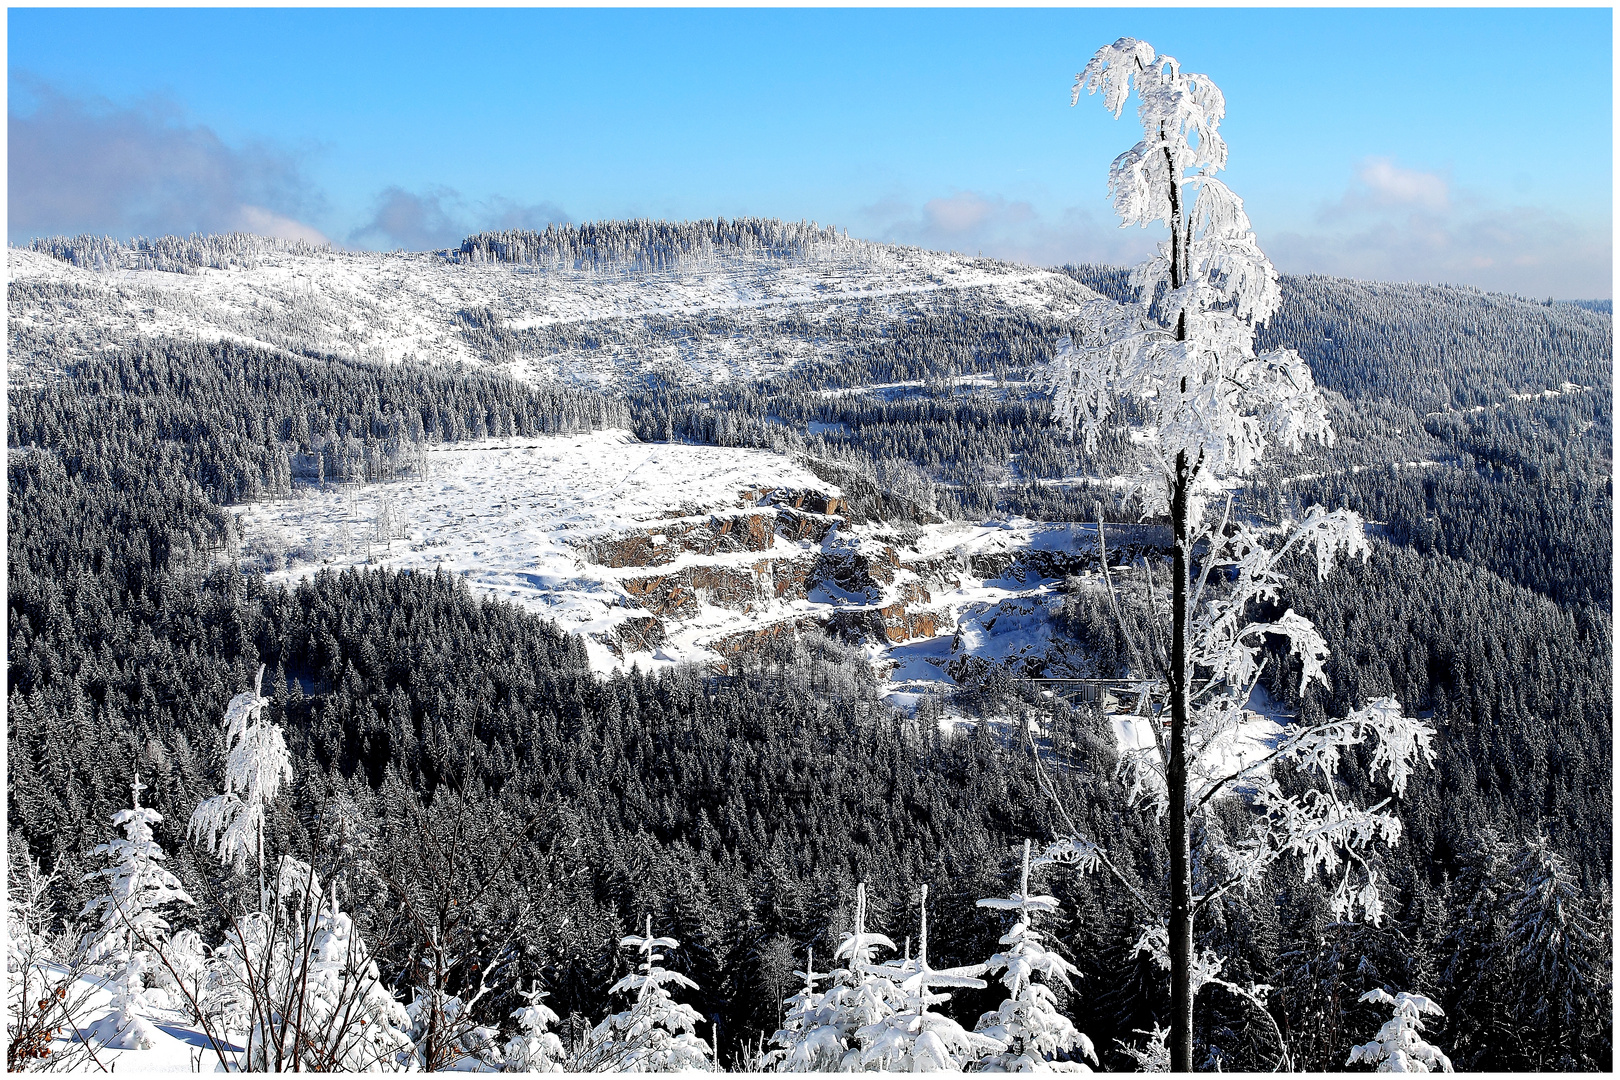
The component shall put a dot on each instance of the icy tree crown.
(256, 763)
(1185, 354)
(1181, 114)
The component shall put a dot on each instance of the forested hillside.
(741, 812)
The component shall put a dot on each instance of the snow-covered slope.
(727, 317)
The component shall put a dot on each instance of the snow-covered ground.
(178, 1044)
(733, 318)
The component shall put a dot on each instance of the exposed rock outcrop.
(894, 623)
(746, 642)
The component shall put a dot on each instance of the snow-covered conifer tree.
(535, 1048)
(1552, 946)
(231, 825)
(861, 993)
(128, 922)
(656, 1034)
(1212, 408)
(912, 1038)
(808, 1040)
(1028, 1020)
(1399, 1045)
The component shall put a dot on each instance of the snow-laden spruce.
(1184, 360)
(1553, 944)
(656, 1034)
(1399, 1045)
(535, 1048)
(231, 824)
(808, 1040)
(129, 929)
(1028, 1021)
(912, 1038)
(861, 994)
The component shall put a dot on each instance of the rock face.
(861, 587)
(678, 595)
(665, 543)
(745, 642)
(642, 634)
(894, 623)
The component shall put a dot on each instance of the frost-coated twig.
(1074, 830)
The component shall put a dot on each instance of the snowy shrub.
(296, 984)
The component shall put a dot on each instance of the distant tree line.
(643, 244)
(173, 254)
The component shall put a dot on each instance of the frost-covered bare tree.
(457, 914)
(231, 824)
(1211, 409)
(294, 986)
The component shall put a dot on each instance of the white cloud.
(439, 217)
(1385, 183)
(76, 165)
(1399, 224)
(974, 222)
(256, 219)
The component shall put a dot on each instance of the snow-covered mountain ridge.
(724, 317)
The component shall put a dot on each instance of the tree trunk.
(1181, 921)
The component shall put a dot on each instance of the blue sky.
(1467, 146)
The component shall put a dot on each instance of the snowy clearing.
(178, 1044)
(525, 522)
